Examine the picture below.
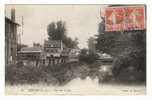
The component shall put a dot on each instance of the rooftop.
(11, 21)
(54, 44)
(31, 50)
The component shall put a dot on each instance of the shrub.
(56, 75)
(22, 74)
(88, 58)
(130, 66)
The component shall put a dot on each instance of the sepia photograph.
(75, 49)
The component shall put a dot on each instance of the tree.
(128, 49)
(87, 56)
(70, 43)
(57, 31)
(20, 46)
(36, 44)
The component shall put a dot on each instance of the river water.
(76, 87)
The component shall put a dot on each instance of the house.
(55, 52)
(31, 55)
(51, 53)
(11, 39)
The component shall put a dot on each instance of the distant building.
(73, 54)
(11, 39)
(51, 53)
(55, 48)
(52, 48)
(105, 58)
(31, 55)
(55, 52)
(37, 45)
(91, 44)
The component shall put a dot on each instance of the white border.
(149, 40)
(2, 59)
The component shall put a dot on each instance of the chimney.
(13, 14)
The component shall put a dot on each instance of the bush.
(129, 50)
(130, 66)
(22, 74)
(88, 58)
(56, 75)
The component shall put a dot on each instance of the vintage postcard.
(75, 49)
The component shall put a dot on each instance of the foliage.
(52, 74)
(20, 46)
(36, 44)
(22, 74)
(57, 31)
(70, 43)
(87, 57)
(128, 48)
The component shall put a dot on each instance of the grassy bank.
(62, 74)
(56, 75)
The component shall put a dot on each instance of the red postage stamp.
(125, 18)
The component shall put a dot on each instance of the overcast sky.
(81, 21)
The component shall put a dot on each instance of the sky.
(81, 21)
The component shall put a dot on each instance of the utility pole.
(22, 28)
(21, 33)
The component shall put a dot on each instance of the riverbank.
(61, 75)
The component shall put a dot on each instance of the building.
(73, 54)
(53, 48)
(92, 44)
(31, 55)
(11, 39)
(51, 53)
(55, 52)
